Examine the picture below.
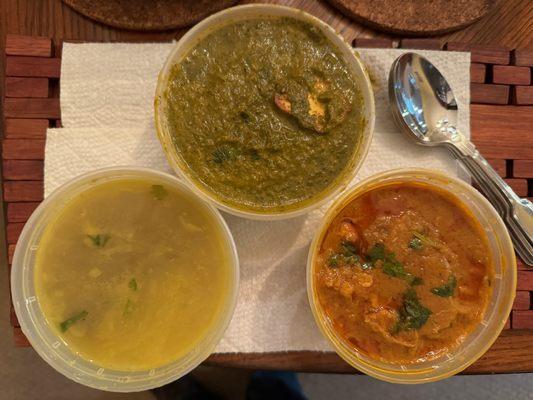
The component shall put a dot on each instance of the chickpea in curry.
(403, 273)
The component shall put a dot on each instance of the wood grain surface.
(29, 113)
(511, 353)
(415, 17)
(148, 15)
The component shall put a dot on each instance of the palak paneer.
(265, 114)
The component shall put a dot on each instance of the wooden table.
(510, 25)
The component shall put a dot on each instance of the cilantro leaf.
(447, 289)
(349, 248)
(338, 259)
(376, 253)
(335, 260)
(347, 255)
(416, 243)
(390, 265)
(132, 284)
(412, 314)
(66, 324)
(159, 192)
(393, 267)
(99, 240)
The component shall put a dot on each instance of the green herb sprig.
(413, 315)
(99, 240)
(447, 289)
(390, 265)
(415, 243)
(66, 324)
(132, 284)
(347, 255)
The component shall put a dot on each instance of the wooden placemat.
(501, 116)
(153, 15)
(415, 17)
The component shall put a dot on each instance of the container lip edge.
(367, 132)
(367, 368)
(16, 284)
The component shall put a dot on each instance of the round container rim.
(41, 346)
(261, 9)
(367, 367)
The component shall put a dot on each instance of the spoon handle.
(516, 212)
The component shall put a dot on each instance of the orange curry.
(404, 273)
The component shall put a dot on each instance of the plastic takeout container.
(51, 347)
(231, 15)
(499, 305)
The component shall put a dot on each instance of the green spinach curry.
(265, 114)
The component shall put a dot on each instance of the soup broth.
(132, 273)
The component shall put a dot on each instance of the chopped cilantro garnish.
(72, 320)
(338, 259)
(346, 256)
(99, 240)
(159, 192)
(416, 243)
(391, 266)
(413, 315)
(334, 260)
(133, 284)
(349, 248)
(447, 289)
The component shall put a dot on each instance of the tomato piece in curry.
(404, 273)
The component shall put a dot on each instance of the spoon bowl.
(417, 86)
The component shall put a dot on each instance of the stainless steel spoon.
(424, 107)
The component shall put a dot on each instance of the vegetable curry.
(403, 273)
(265, 113)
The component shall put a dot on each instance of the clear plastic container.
(498, 308)
(51, 347)
(245, 12)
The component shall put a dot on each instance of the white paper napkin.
(106, 101)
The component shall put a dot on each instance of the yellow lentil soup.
(132, 273)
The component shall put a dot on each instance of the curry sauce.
(265, 114)
(404, 273)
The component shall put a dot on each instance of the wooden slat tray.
(501, 126)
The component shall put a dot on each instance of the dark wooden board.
(148, 15)
(415, 17)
